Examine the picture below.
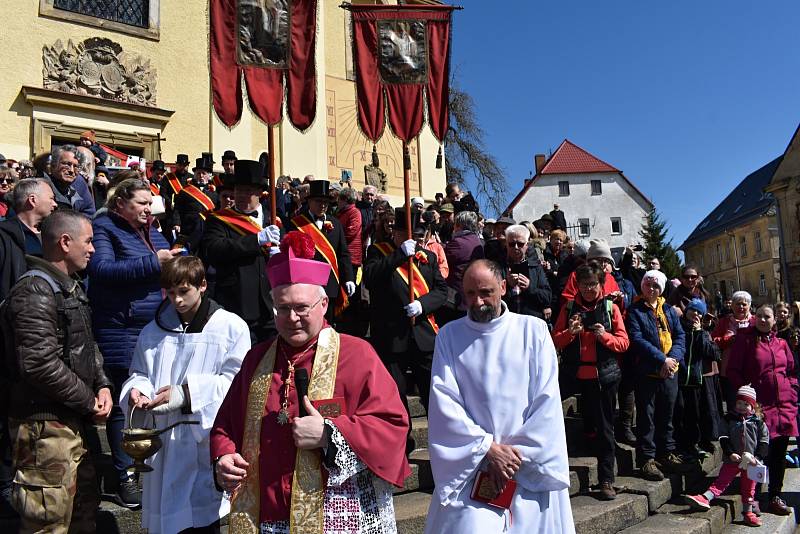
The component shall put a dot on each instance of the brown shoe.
(777, 506)
(607, 492)
(650, 471)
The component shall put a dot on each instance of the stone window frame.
(597, 187)
(152, 32)
(757, 240)
(563, 188)
(618, 220)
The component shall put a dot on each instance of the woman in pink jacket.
(759, 358)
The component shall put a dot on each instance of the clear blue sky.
(686, 98)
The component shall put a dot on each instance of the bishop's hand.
(231, 469)
(309, 431)
(503, 462)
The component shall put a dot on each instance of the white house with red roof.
(596, 198)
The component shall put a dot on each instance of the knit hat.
(697, 305)
(418, 200)
(88, 134)
(657, 276)
(599, 249)
(747, 394)
(581, 247)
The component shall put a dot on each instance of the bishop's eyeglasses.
(301, 310)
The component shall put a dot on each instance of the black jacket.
(338, 242)
(536, 298)
(390, 326)
(701, 351)
(240, 263)
(12, 254)
(189, 214)
(46, 387)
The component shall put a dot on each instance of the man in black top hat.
(328, 235)
(194, 200)
(404, 345)
(171, 184)
(228, 161)
(237, 243)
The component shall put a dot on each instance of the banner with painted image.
(265, 41)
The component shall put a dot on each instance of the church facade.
(138, 75)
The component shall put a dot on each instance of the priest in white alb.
(495, 414)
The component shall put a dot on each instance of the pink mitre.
(294, 264)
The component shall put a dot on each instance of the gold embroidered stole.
(306, 515)
(246, 505)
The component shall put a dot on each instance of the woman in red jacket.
(763, 360)
(591, 334)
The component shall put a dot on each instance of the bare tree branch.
(467, 155)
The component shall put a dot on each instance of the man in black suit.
(237, 244)
(327, 233)
(194, 201)
(402, 344)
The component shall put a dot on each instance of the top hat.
(319, 189)
(400, 219)
(182, 159)
(158, 165)
(229, 154)
(205, 162)
(249, 172)
(224, 181)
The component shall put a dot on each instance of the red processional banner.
(262, 40)
(402, 60)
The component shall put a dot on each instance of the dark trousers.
(655, 403)
(419, 363)
(115, 424)
(625, 395)
(213, 528)
(598, 413)
(728, 393)
(776, 464)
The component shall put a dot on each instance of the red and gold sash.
(174, 183)
(239, 223)
(420, 285)
(323, 246)
(197, 194)
(154, 189)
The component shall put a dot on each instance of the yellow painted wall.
(182, 86)
(180, 58)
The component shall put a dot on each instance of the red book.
(483, 491)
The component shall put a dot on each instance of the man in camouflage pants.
(58, 386)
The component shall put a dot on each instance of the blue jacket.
(645, 343)
(124, 288)
(625, 285)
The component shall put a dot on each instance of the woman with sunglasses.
(691, 287)
(8, 177)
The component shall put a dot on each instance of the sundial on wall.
(349, 149)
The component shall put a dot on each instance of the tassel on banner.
(376, 162)
(439, 159)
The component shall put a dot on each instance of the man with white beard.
(495, 414)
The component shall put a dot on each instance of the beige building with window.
(737, 245)
(139, 76)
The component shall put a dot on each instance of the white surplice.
(497, 382)
(180, 491)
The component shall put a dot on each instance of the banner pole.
(271, 159)
(409, 230)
